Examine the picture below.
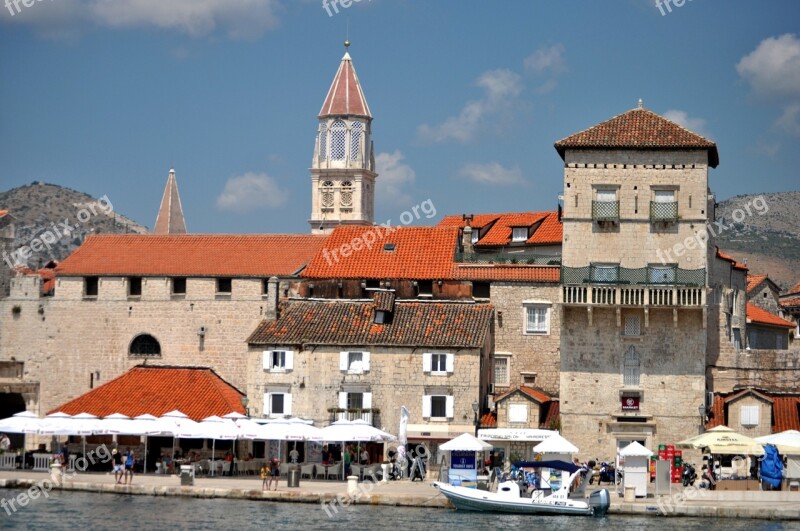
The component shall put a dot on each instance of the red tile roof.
(507, 272)
(552, 417)
(734, 263)
(761, 316)
(785, 410)
(419, 253)
(346, 322)
(638, 129)
(3, 213)
(488, 420)
(192, 255)
(531, 393)
(197, 392)
(743, 392)
(753, 281)
(548, 229)
(345, 97)
(794, 289)
(716, 417)
(47, 274)
(786, 303)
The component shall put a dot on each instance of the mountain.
(59, 219)
(763, 231)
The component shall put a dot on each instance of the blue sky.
(468, 97)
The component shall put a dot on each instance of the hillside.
(768, 239)
(44, 211)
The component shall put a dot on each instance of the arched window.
(632, 367)
(327, 194)
(323, 141)
(355, 140)
(347, 194)
(145, 345)
(338, 135)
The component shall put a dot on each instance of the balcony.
(368, 415)
(663, 212)
(605, 210)
(646, 286)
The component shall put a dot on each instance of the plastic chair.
(307, 470)
(334, 471)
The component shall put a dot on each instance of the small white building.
(637, 474)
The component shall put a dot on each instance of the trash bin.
(293, 477)
(187, 476)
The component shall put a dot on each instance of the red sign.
(630, 403)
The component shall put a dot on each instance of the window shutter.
(267, 408)
(267, 360)
(287, 404)
(449, 406)
(426, 362)
(366, 400)
(343, 361)
(289, 360)
(342, 399)
(426, 406)
(365, 360)
(451, 361)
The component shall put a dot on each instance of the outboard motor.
(599, 501)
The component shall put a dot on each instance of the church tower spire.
(170, 214)
(343, 166)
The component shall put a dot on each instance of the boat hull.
(464, 499)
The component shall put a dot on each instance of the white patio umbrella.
(175, 423)
(218, 428)
(555, 444)
(788, 442)
(88, 423)
(145, 424)
(466, 442)
(291, 429)
(358, 430)
(22, 422)
(57, 424)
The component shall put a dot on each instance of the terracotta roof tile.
(794, 289)
(507, 272)
(192, 255)
(418, 253)
(761, 316)
(738, 394)
(197, 392)
(753, 281)
(551, 417)
(345, 97)
(734, 263)
(534, 394)
(488, 420)
(638, 129)
(785, 413)
(418, 324)
(384, 300)
(716, 417)
(497, 231)
(787, 303)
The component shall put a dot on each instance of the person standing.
(274, 472)
(364, 457)
(347, 458)
(116, 459)
(129, 460)
(265, 475)
(5, 443)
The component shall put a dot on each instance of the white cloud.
(501, 87)
(237, 19)
(546, 59)
(789, 121)
(251, 191)
(492, 173)
(394, 179)
(773, 68)
(695, 125)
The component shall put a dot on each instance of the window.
(749, 416)
(665, 196)
(277, 404)
(323, 141)
(278, 360)
(476, 235)
(224, 285)
(481, 290)
(632, 325)
(537, 319)
(338, 136)
(605, 207)
(355, 140)
(438, 406)
(631, 368)
(355, 400)
(354, 362)
(607, 195)
(518, 412)
(425, 288)
(604, 273)
(179, 286)
(438, 363)
(519, 234)
(134, 286)
(661, 274)
(501, 372)
(90, 286)
(736, 338)
(664, 206)
(145, 345)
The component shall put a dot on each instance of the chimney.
(271, 311)
(466, 234)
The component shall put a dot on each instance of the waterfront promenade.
(765, 505)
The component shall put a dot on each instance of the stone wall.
(534, 412)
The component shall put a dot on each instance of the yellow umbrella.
(723, 440)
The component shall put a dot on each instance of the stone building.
(7, 237)
(331, 359)
(634, 282)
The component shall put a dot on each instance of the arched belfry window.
(347, 194)
(338, 136)
(356, 131)
(323, 141)
(632, 367)
(145, 345)
(327, 194)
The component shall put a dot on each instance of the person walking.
(116, 459)
(129, 460)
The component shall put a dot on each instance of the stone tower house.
(343, 166)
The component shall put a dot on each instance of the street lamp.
(246, 401)
(475, 410)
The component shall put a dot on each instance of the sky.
(468, 97)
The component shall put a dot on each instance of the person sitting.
(326, 455)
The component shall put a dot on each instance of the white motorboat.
(507, 498)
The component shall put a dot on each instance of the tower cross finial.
(640, 104)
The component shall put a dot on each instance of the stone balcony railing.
(368, 415)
